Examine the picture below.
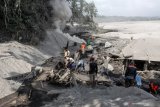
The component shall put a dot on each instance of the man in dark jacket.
(130, 74)
(93, 69)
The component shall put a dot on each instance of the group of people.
(77, 63)
(73, 63)
(132, 79)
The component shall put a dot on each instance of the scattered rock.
(107, 45)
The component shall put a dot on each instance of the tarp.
(143, 49)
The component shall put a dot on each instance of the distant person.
(66, 56)
(93, 69)
(77, 55)
(33, 71)
(71, 64)
(80, 66)
(66, 52)
(88, 41)
(92, 38)
(138, 81)
(83, 46)
(130, 75)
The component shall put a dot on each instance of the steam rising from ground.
(56, 40)
(61, 13)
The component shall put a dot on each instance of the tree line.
(27, 20)
(24, 20)
(82, 11)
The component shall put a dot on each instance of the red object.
(154, 87)
(83, 46)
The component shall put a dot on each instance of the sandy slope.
(55, 42)
(16, 59)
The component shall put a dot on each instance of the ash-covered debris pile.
(112, 45)
(60, 75)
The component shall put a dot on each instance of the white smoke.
(61, 13)
(56, 40)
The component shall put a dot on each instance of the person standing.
(80, 66)
(130, 75)
(66, 56)
(77, 55)
(138, 81)
(93, 69)
(71, 64)
(88, 41)
(83, 46)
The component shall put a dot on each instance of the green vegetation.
(24, 20)
(83, 12)
(27, 20)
